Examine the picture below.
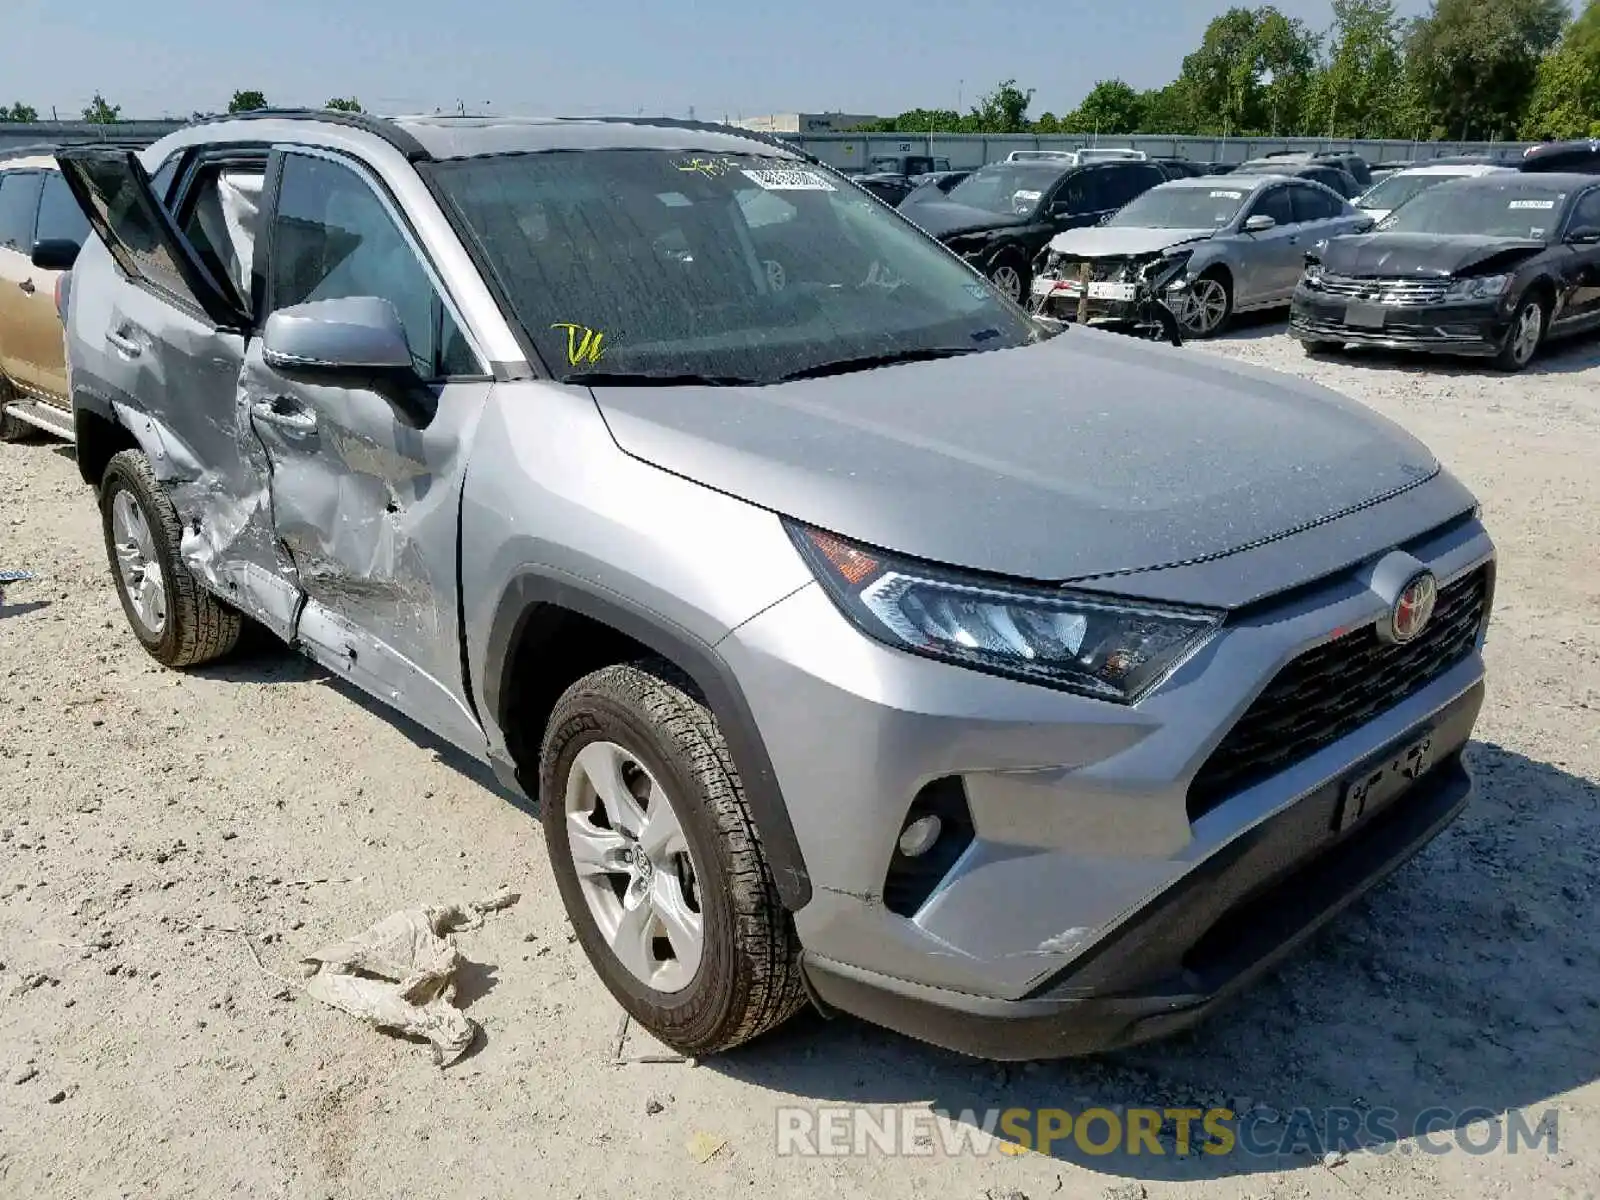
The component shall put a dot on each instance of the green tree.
(1048, 123)
(247, 101)
(1166, 110)
(1110, 107)
(101, 113)
(1251, 73)
(344, 104)
(1566, 96)
(1004, 110)
(1361, 91)
(19, 111)
(1474, 63)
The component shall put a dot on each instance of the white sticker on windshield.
(1026, 197)
(1227, 195)
(1539, 205)
(789, 181)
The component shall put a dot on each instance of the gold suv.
(40, 220)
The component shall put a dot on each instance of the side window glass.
(1310, 204)
(1587, 213)
(19, 201)
(222, 221)
(1084, 192)
(161, 181)
(60, 218)
(333, 238)
(1275, 204)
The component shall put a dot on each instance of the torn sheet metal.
(400, 974)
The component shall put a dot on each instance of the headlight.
(1485, 287)
(1106, 648)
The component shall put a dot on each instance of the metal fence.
(853, 152)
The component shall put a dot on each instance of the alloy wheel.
(1525, 337)
(1009, 280)
(634, 866)
(1204, 307)
(138, 564)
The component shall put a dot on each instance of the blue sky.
(724, 57)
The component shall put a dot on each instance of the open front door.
(165, 346)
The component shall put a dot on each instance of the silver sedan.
(1242, 240)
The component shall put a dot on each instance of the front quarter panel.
(550, 494)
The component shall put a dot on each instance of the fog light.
(920, 835)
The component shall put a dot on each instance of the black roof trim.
(381, 127)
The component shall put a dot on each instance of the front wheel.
(659, 864)
(175, 619)
(1526, 335)
(1010, 275)
(1206, 306)
(12, 429)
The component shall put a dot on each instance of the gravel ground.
(151, 822)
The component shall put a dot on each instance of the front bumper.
(1092, 875)
(1477, 329)
(1196, 946)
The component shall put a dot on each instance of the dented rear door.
(366, 474)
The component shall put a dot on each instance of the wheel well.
(1546, 291)
(1221, 272)
(98, 438)
(552, 649)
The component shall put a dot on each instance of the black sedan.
(1489, 266)
(1003, 215)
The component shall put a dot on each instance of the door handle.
(285, 414)
(124, 343)
(27, 287)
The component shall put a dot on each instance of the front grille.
(1399, 332)
(1101, 270)
(1335, 689)
(1396, 293)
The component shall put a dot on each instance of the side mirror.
(1259, 223)
(55, 254)
(1584, 235)
(361, 333)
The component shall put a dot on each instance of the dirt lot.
(151, 821)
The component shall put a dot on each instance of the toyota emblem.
(1414, 608)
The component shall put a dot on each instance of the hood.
(941, 218)
(1087, 454)
(1420, 254)
(1100, 241)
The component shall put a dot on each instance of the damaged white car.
(1241, 243)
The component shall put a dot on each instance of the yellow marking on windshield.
(583, 343)
(709, 167)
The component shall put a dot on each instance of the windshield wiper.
(843, 366)
(645, 379)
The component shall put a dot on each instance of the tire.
(1522, 345)
(1208, 307)
(176, 620)
(645, 728)
(1010, 273)
(12, 429)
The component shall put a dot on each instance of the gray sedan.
(1243, 241)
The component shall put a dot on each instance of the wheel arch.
(550, 630)
(98, 436)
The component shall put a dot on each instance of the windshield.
(1008, 189)
(1519, 208)
(1397, 189)
(1182, 208)
(745, 268)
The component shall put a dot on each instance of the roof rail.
(35, 149)
(381, 127)
(753, 135)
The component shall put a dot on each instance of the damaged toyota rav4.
(864, 642)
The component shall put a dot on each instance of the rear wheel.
(1527, 334)
(660, 867)
(1206, 306)
(175, 619)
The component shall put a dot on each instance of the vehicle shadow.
(1254, 326)
(1464, 987)
(1561, 358)
(22, 608)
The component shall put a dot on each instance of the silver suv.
(863, 641)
